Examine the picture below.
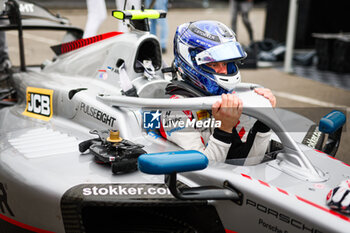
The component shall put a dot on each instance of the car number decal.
(39, 103)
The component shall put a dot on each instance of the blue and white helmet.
(199, 43)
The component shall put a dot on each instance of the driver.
(206, 53)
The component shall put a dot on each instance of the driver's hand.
(228, 111)
(267, 94)
(339, 197)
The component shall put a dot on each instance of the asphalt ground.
(307, 97)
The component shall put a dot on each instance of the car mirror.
(332, 122)
(170, 163)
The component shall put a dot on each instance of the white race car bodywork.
(49, 186)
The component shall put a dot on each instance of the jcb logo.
(39, 103)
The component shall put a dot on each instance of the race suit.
(249, 139)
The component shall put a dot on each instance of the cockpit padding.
(149, 49)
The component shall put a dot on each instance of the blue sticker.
(151, 119)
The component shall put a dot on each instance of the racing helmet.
(197, 44)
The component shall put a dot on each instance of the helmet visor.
(229, 51)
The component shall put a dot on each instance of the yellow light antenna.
(139, 14)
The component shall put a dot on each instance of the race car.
(57, 176)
